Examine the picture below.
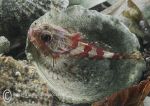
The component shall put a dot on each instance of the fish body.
(73, 44)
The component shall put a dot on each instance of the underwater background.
(74, 52)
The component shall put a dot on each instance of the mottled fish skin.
(17, 15)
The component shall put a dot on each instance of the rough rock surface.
(144, 6)
(147, 101)
(17, 15)
(4, 45)
(86, 3)
(25, 85)
(134, 14)
(91, 80)
(60, 4)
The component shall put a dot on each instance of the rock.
(25, 87)
(134, 14)
(60, 4)
(4, 45)
(86, 3)
(147, 101)
(17, 15)
(111, 1)
(15, 18)
(144, 6)
(84, 80)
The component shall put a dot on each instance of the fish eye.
(45, 37)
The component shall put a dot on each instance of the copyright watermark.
(7, 96)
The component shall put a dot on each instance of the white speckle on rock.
(55, 76)
(17, 73)
(4, 45)
(147, 101)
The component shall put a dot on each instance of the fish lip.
(29, 32)
(33, 32)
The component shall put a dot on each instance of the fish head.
(50, 39)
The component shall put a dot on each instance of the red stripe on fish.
(75, 39)
(84, 49)
(99, 53)
(92, 51)
(87, 48)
